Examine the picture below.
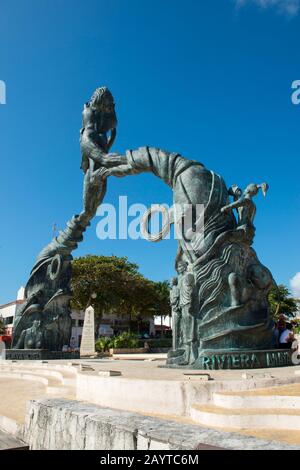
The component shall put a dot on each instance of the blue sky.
(210, 79)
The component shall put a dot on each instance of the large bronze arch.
(219, 297)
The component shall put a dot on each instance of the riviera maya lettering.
(219, 295)
(247, 360)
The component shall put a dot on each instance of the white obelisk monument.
(87, 346)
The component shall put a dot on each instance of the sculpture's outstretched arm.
(107, 160)
(128, 166)
(161, 163)
(122, 170)
(234, 205)
(143, 160)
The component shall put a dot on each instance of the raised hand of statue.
(99, 175)
(226, 208)
(94, 190)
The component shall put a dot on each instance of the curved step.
(53, 387)
(67, 370)
(214, 416)
(263, 402)
(64, 377)
(23, 376)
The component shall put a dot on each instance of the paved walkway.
(15, 393)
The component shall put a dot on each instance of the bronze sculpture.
(219, 299)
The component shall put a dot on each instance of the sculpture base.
(214, 360)
(39, 354)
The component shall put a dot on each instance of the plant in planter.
(103, 344)
(126, 340)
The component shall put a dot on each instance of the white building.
(162, 323)
(77, 324)
(7, 311)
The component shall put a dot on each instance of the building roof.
(14, 302)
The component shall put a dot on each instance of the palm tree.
(281, 302)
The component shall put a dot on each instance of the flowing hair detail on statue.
(98, 95)
(212, 287)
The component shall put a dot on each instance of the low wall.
(144, 396)
(39, 354)
(166, 397)
(59, 424)
(113, 351)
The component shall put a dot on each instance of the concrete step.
(48, 381)
(261, 402)
(249, 418)
(64, 377)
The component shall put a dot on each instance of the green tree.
(119, 286)
(137, 299)
(281, 302)
(152, 299)
(107, 276)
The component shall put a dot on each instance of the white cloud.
(288, 7)
(295, 285)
